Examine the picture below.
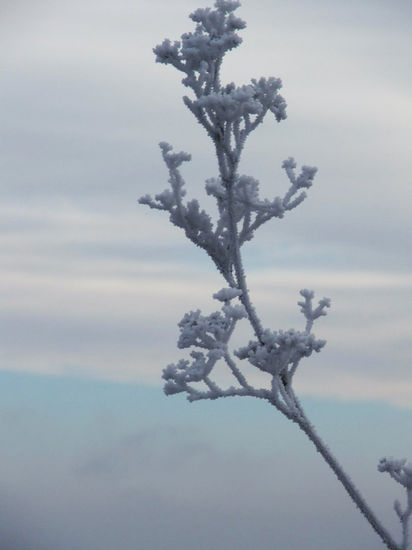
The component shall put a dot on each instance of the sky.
(93, 284)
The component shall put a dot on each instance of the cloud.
(19, 530)
(92, 282)
(93, 285)
(158, 450)
(173, 486)
(107, 320)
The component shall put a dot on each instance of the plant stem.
(228, 175)
(351, 489)
(238, 266)
(405, 520)
(300, 419)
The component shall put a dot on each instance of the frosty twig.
(229, 113)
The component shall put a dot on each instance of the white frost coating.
(226, 294)
(280, 352)
(401, 471)
(229, 113)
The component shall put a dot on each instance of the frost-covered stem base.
(304, 424)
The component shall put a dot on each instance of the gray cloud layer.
(158, 486)
(92, 283)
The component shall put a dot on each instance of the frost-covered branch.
(195, 222)
(401, 471)
(278, 353)
(212, 333)
(229, 113)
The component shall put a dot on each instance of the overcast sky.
(91, 280)
(93, 284)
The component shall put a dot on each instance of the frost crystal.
(226, 294)
(276, 351)
(229, 113)
(399, 469)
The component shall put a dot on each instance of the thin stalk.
(351, 489)
(300, 418)
(405, 521)
(237, 260)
